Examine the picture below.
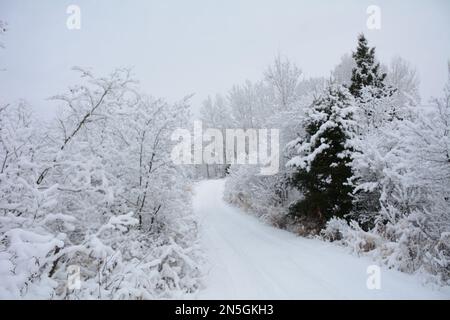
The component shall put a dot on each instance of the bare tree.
(342, 73)
(283, 77)
(403, 77)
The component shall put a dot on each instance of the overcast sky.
(204, 47)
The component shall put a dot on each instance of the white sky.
(204, 47)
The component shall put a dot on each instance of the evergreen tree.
(373, 96)
(322, 159)
(367, 71)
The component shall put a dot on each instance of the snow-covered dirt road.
(250, 260)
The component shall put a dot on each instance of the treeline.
(364, 163)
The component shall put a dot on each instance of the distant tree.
(312, 87)
(283, 77)
(342, 73)
(215, 113)
(3, 29)
(367, 71)
(403, 77)
(242, 100)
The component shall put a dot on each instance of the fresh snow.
(251, 260)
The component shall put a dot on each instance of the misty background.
(203, 47)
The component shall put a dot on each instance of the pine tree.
(367, 71)
(322, 159)
(374, 98)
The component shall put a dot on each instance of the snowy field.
(250, 260)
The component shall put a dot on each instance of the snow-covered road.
(250, 260)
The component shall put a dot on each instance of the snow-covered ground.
(251, 260)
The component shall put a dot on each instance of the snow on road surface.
(251, 260)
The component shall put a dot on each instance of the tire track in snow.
(251, 260)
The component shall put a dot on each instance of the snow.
(251, 260)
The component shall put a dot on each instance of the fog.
(203, 47)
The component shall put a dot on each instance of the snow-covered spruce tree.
(322, 159)
(368, 86)
(367, 71)
(374, 109)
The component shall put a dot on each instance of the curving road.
(251, 260)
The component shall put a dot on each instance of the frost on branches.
(365, 165)
(400, 179)
(402, 183)
(95, 189)
(278, 101)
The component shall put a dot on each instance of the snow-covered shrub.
(96, 189)
(264, 196)
(403, 246)
(351, 235)
(120, 262)
(28, 246)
